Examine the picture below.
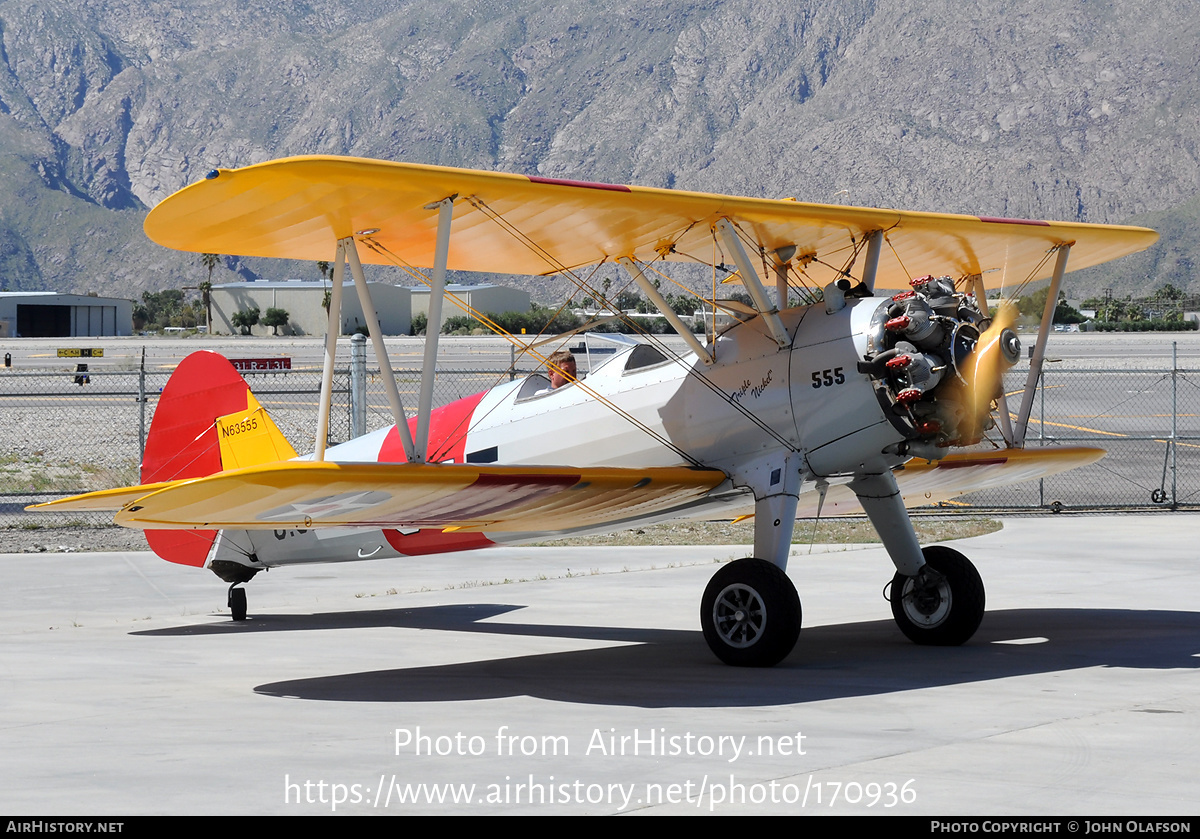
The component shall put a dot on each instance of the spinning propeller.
(997, 349)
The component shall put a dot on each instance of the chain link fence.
(1146, 421)
(67, 432)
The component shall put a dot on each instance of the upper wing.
(299, 207)
(463, 497)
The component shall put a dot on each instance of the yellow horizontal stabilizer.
(104, 500)
(463, 496)
(299, 207)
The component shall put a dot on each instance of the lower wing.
(925, 482)
(306, 495)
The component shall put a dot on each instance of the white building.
(304, 301)
(482, 297)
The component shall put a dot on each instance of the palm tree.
(206, 299)
(209, 261)
(324, 268)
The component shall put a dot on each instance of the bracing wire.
(383, 251)
(584, 286)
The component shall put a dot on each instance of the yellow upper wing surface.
(297, 208)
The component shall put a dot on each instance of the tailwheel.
(237, 602)
(943, 604)
(750, 614)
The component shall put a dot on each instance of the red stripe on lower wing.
(979, 461)
(434, 542)
(488, 496)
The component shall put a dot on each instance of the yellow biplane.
(854, 401)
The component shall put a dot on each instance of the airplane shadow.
(656, 668)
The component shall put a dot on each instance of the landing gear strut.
(942, 605)
(237, 602)
(750, 614)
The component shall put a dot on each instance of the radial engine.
(922, 362)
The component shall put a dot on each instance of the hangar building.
(48, 314)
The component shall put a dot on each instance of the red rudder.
(183, 441)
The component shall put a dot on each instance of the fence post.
(358, 385)
(1174, 420)
(142, 409)
(1042, 430)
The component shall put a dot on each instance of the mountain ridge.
(1085, 112)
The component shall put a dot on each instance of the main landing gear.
(750, 614)
(936, 595)
(942, 604)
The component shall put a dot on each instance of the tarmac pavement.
(576, 680)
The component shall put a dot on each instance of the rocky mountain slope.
(1082, 110)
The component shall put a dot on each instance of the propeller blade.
(998, 349)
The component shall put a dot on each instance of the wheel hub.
(927, 599)
(739, 615)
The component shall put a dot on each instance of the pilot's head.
(561, 368)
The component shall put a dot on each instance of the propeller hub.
(1010, 347)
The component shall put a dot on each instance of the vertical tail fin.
(207, 420)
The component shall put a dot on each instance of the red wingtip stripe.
(581, 184)
(1001, 220)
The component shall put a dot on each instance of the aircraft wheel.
(750, 614)
(943, 604)
(237, 603)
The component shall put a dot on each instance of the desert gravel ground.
(82, 539)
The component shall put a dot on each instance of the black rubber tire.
(237, 603)
(947, 614)
(750, 614)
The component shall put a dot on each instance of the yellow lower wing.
(506, 498)
(460, 497)
(925, 482)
